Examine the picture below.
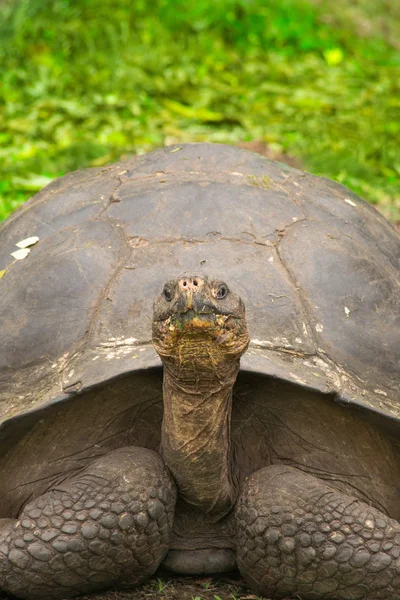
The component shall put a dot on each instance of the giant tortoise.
(111, 467)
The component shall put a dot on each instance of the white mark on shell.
(298, 340)
(114, 342)
(119, 352)
(70, 374)
(261, 343)
(381, 392)
(319, 327)
(347, 311)
(321, 364)
(296, 378)
(271, 259)
(30, 241)
(20, 254)
(350, 202)
(282, 342)
(237, 174)
(369, 523)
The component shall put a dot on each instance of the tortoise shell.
(317, 268)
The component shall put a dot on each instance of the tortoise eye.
(222, 291)
(167, 291)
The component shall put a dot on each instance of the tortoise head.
(199, 319)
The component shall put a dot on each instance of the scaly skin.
(299, 537)
(107, 526)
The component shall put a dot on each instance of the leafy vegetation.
(85, 82)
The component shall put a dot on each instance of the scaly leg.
(107, 526)
(298, 537)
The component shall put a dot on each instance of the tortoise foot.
(108, 526)
(300, 538)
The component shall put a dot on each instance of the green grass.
(84, 82)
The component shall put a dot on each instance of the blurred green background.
(83, 82)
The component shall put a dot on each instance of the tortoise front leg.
(298, 537)
(107, 526)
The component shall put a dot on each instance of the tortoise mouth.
(207, 312)
(193, 320)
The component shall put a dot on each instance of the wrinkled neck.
(196, 428)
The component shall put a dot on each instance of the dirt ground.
(226, 587)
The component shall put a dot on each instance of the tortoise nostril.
(184, 284)
(195, 282)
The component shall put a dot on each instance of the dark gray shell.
(317, 267)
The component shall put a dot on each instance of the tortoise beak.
(188, 296)
(192, 296)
